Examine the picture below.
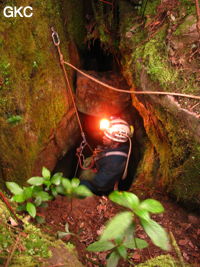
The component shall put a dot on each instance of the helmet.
(117, 130)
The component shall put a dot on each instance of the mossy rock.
(163, 261)
(34, 248)
(33, 95)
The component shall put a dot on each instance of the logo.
(13, 12)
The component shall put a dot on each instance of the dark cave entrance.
(96, 58)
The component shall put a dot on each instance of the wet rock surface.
(95, 99)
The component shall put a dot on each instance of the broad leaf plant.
(119, 233)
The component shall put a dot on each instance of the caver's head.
(115, 130)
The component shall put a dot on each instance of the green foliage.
(15, 119)
(142, 210)
(118, 235)
(26, 195)
(49, 182)
(73, 189)
(44, 189)
(117, 226)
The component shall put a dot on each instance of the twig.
(195, 106)
(177, 249)
(13, 250)
(5, 200)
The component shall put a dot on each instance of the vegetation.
(33, 248)
(43, 189)
(119, 233)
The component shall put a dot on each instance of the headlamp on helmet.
(104, 124)
(116, 129)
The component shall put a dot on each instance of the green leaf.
(67, 185)
(14, 119)
(30, 207)
(53, 191)
(113, 259)
(28, 191)
(14, 188)
(152, 205)
(136, 243)
(83, 191)
(125, 199)
(56, 179)
(75, 182)
(143, 214)
(100, 246)
(47, 183)
(36, 189)
(38, 201)
(21, 207)
(36, 181)
(129, 232)
(46, 173)
(122, 251)
(60, 189)
(19, 198)
(44, 196)
(157, 234)
(117, 226)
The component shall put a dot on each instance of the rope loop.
(81, 158)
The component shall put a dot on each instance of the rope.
(56, 42)
(128, 158)
(129, 91)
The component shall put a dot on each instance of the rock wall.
(157, 56)
(36, 115)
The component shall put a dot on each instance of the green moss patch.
(32, 86)
(33, 248)
(163, 261)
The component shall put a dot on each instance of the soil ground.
(88, 216)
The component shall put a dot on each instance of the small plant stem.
(13, 250)
(177, 249)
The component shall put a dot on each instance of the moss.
(151, 54)
(151, 7)
(75, 21)
(35, 248)
(33, 87)
(189, 6)
(182, 160)
(185, 25)
(163, 261)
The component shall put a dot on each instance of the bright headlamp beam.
(104, 124)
